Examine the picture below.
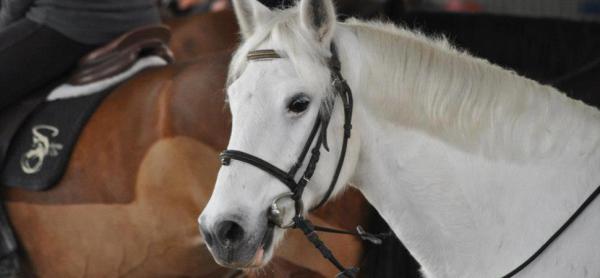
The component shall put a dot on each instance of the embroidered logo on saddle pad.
(33, 160)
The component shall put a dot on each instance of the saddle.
(37, 135)
(122, 53)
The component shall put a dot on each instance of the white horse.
(474, 167)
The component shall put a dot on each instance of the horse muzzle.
(234, 246)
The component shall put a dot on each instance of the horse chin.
(265, 251)
(255, 261)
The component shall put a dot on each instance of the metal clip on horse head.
(367, 236)
(225, 161)
(276, 214)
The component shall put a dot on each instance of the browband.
(264, 54)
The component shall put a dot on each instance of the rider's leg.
(9, 261)
(31, 56)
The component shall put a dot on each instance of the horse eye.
(299, 104)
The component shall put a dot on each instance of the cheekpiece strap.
(263, 54)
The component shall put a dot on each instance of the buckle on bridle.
(225, 161)
(276, 213)
(337, 84)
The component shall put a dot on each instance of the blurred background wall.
(568, 9)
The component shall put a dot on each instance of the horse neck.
(462, 207)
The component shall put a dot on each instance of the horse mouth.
(261, 255)
(264, 247)
(268, 238)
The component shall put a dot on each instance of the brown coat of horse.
(142, 171)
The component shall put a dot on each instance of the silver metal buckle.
(276, 214)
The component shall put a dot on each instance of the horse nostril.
(208, 238)
(229, 233)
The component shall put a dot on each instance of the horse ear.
(249, 13)
(318, 17)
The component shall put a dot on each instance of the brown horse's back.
(128, 203)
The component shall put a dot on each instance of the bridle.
(319, 133)
(318, 137)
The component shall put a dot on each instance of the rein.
(556, 234)
(318, 136)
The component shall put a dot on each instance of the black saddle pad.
(38, 137)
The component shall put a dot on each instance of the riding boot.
(9, 258)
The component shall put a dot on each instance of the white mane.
(464, 100)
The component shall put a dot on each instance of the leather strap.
(562, 228)
(309, 231)
(341, 87)
(287, 178)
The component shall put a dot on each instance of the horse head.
(279, 89)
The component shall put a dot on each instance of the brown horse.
(141, 173)
(200, 35)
